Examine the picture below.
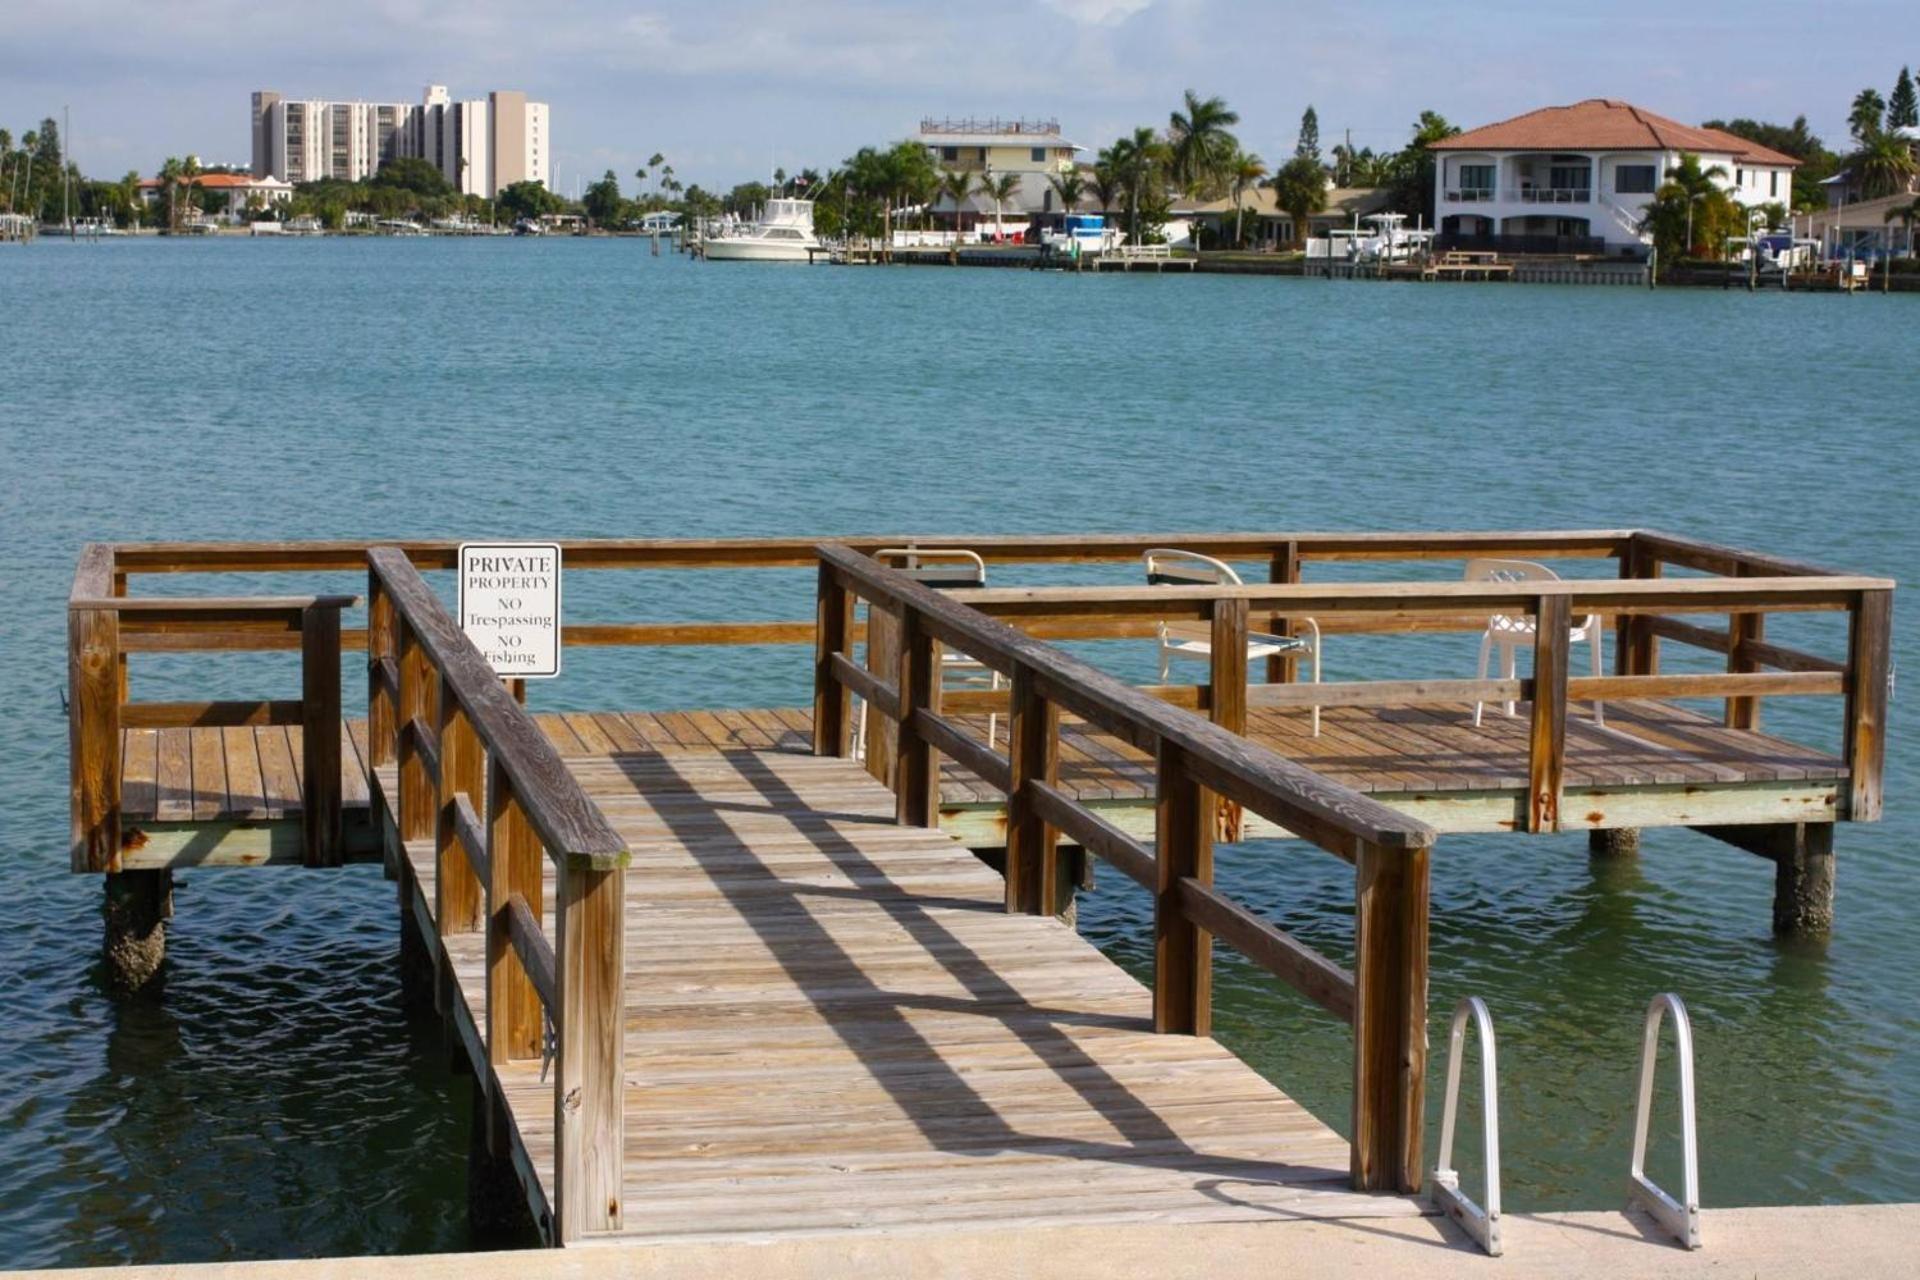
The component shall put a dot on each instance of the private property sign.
(510, 605)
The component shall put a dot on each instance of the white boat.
(1083, 233)
(783, 233)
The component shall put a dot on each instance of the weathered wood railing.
(1384, 998)
(104, 625)
(1638, 555)
(465, 748)
(1643, 608)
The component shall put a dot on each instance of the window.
(1039, 155)
(949, 153)
(1773, 184)
(1739, 177)
(1634, 179)
(1477, 178)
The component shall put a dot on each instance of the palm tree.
(1301, 189)
(1907, 215)
(6, 150)
(1201, 147)
(957, 185)
(655, 160)
(1869, 109)
(999, 190)
(1690, 210)
(1136, 161)
(1245, 173)
(1883, 166)
(1070, 187)
(29, 143)
(1106, 183)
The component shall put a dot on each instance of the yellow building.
(1031, 149)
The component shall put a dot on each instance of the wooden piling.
(1390, 1016)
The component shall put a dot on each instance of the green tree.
(958, 185)
(528, 199)
(411, 173)
(603, 202)
(1000, 189)
(1140, 163)
(1868, 113)
(1883, 166)
(1199, 144)
(1412, 170)
(1309, 143)
(1069, 188)
(1245, 174)
(654, 162)
(1106, 186)
(1903, 105)
(1691, 215)
(1301, 189)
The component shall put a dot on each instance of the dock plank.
(833, 1025)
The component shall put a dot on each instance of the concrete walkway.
(1852, 1242)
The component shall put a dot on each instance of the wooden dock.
(832, 1023)
(732, 973)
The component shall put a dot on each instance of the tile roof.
(1606, 124)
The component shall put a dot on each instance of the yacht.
(784, 233)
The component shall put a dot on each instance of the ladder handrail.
(1682, 1217)
(1482, 1223)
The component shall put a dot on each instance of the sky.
(728, 89)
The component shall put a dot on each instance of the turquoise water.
(277, 1098)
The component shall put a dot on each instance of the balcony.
(1553, 195)
(1470, 195)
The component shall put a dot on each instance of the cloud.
(1099, 13)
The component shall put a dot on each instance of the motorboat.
(1084, 234)
(782, 233)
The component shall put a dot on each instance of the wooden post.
(1547, 744)
(126, 683)
(832, 701)
(1636, 650)
(1033, 752)
(883, 660)
(916, 774)
(1869, 635)
(93, 737)
(381, 650)
(1227, 692)
(458, 893)
(1283, 668)
(1182, 951)
(418, 686)
(514, 1031)
(588, 1117)
(1389, 1016)
(1743, 712)
(320, 730)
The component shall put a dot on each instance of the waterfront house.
(1264, 223)
(1033, 150)
(1578, 179)
(235, 194)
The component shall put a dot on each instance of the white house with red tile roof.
(1578, 179)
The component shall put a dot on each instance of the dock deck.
(181, 784)
(833, 1023)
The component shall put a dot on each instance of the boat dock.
(768, 972)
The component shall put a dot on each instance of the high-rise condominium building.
(481, 145)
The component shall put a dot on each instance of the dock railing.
(1384, 998)
(1644, 610)
(100, 640)
(466, 748)
(105, 625)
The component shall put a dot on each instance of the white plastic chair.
(1513, 634)
(1171, 567)
(942, 568)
